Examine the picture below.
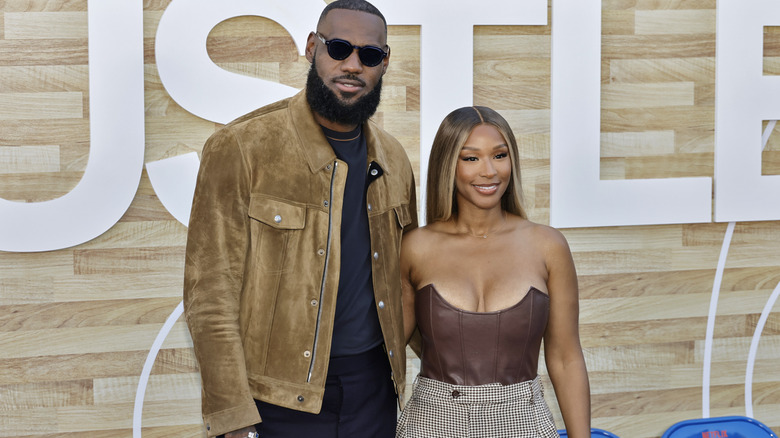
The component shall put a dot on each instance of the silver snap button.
(376, 256)
(328, 167)
(381, 304)
(369, 207)
(277, 218)
(390, 353)
(325, 203)
(306, 353)
(374, 172)
(300, 398)
(320, 251)
(314, 302)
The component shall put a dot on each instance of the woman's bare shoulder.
(544, 236)
(421, 235)
(421, 238)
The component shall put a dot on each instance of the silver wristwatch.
(253, 435)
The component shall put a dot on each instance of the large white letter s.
(193, 80)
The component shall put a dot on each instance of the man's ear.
(311, 41)
(386, 61)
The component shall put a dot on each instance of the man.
(292, 284)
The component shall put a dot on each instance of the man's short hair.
(352, 5)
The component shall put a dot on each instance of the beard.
(327, 104)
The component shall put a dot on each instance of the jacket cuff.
(231, 419)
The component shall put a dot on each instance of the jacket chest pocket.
(402, 215)
(275, 231)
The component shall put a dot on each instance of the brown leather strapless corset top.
(476, 348)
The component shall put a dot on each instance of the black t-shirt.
(356, 328)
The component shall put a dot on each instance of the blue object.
(594, 433)
(719, 427)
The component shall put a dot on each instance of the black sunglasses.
(370, 56)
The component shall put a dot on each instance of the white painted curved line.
(707, 367)
(770, 127)
(705, 385)
(754, 349)
(143, 381)
(173, 181)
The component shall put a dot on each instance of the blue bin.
(594, 433)
(720, 427)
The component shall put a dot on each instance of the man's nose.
(352, 63)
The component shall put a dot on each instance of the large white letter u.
(116, 155)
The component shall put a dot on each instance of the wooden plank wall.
(76, 324)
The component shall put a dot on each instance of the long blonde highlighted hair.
(441, 203)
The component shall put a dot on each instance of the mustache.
(350, 78)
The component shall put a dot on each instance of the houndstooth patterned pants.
(442, 410)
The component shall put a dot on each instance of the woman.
(484, 285)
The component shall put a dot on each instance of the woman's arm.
(407, 289)
(562, 350)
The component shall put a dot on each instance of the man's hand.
(242, 433)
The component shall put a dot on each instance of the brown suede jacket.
(263, 255)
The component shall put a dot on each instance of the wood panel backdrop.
(76, 324)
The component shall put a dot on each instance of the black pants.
(359, 402)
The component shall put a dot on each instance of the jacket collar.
(315, 146)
